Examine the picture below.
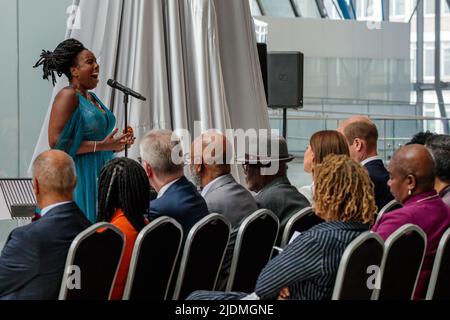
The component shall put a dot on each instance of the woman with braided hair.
(123, 197)
(80, 124)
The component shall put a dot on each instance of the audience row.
(350, 184)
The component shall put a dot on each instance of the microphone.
(114, 84)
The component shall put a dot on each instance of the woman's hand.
(129, 136)
(284, 294)
(114, 144)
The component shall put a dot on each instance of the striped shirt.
(308, 266)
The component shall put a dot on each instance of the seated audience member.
(177, 197)
(211, 172)
(33, 259)
(411, 181)
(123, 197)
(421, 137)
(362, 136)
(307, 268)
(267, 175)
(222, 193)
(439, 146)
(321, 144)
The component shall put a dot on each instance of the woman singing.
(80, 124)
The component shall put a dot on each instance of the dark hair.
(60, 60)
(439, 145)
(123, 184)
(421, 137)
(363, 130)
(327, 142)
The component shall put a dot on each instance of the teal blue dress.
(87, 123)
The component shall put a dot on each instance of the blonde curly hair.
(343, 190)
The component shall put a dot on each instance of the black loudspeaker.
(285, 79)
(262, 53)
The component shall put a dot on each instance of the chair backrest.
(154, 256)
(361, 258)
(439, 287)
(92, 261)
(300, 221)
(403, 256)
(254, 244)
(388, 207)
(203, 254)
(16, 195)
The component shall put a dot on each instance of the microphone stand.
(125, 102)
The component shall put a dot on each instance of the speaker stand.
(285, 123)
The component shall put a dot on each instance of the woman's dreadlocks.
(123, 184)
(61, 60)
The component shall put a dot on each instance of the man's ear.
(412, 182)
(148, 169)
(35, 186)
(358, 144)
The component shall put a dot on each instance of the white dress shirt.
(365, 161)
(165, 187)
(50, 207)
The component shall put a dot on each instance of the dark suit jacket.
(281, 198)
(379, 176)
(33, 259)
(181, 202)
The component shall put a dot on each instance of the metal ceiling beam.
(322, 10)
(297, 12)
(419, 56)
(437, 65)
(385, 4)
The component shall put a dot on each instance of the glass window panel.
(308, 8)
(331, 9)
(413, 64)
(364, 8)
(429, 6)
(446, 8)
(277, 8)
(429, 62)
(446, 61)
(256, 11)
(397, 7)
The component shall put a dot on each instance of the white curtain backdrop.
(194, 60)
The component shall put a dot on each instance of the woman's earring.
(409, 192)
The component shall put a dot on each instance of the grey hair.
(55, 171)
(439, 146)
(162, 150)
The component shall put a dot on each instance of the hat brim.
(258, 159)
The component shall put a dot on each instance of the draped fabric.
(194, 60)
